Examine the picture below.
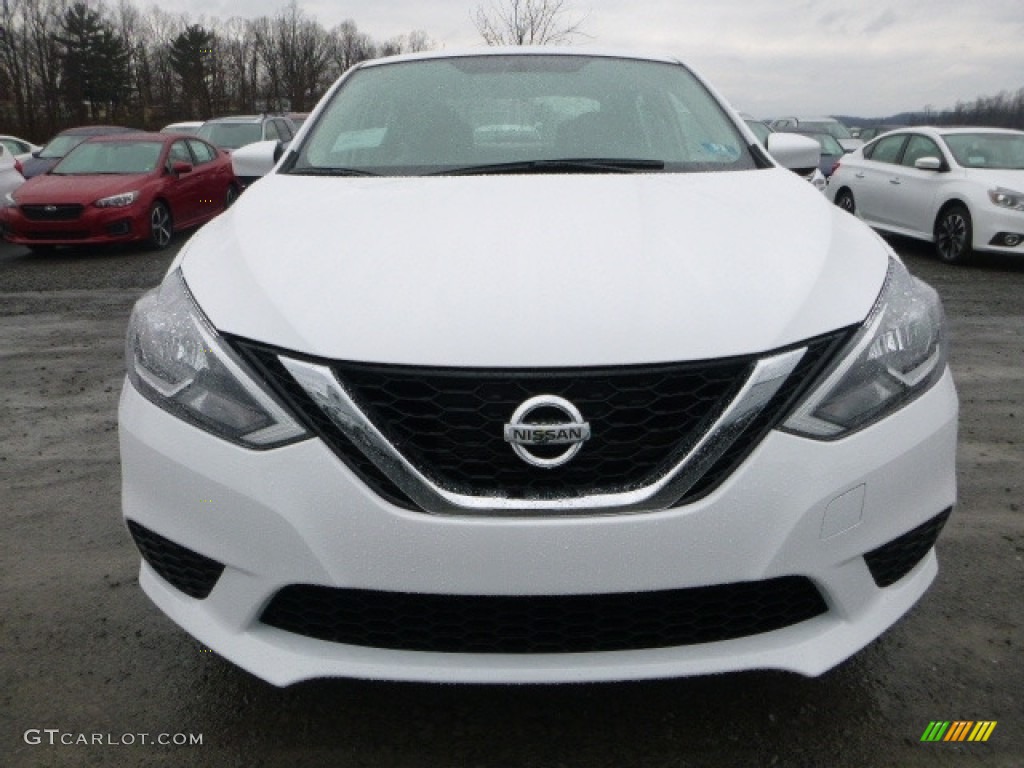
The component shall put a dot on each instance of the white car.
(430, 405)
(188, 127)
(960, 188)
(829, 125)
(21, 149)
(10, 179)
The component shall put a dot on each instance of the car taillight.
(17, 166)
(835, 167)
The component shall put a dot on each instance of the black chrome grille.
(891, 562)
(543, 624)
(185, 570)
(52, 212)
(449, 422)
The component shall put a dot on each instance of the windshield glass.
(230, 135)
(128, 157)
(61, 145)
(829, 145)
(836, 129)
(987, 150)
(464, 113)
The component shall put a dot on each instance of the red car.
(110, 189)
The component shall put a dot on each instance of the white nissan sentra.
(534, 366)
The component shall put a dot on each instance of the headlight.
(178, 361)
(898, 354)
(1007, 198)
(117, 201)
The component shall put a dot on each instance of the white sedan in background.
(960, 188)
(10, 176)
(21, 149)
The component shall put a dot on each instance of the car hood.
(998, 177)
(538, 270)
(76, 189)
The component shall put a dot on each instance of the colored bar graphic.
(959, 730)
(982, 730)
(935, 731)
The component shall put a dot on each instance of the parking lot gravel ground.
(86, 659)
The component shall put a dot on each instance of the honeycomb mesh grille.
(543, 624)
(891, 562)
(449, 423)
(185, 570)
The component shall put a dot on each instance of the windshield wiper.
(322, 171)
(567, 165)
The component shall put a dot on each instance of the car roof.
(521, 50)
(97, 130)
(241, 118)
(135, 137)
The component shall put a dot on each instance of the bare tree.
(527, 22)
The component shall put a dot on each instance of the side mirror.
(256, 160)
(36, 153)
(928, 164)
(791, 150)
(180, 167)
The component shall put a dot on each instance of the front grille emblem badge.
(572, 431)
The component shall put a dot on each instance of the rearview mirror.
(798, 153)
(928, 164)
(255, 160)
(180, 167)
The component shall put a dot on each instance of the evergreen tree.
(191, 55)
(94, 64)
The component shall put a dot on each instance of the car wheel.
(160, 226)
(844, 199)
(953, 235)
(230, 196)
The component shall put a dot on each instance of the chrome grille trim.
(331, 396)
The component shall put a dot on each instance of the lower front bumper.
(297, 516)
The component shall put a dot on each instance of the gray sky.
(869, 58)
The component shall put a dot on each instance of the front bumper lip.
(297, 515)
(93, 227)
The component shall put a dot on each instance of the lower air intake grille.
(543, 624)
(891, 562)
(183, 569)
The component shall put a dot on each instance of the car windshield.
(110, 157)
(230, 135)
(836, 129)
(1004, 151)
(61, 145)
(828, 143)
(521, 113)
(760, 130)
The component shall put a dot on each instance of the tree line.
(66, 63)
(1005, 110)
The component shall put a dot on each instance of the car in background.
(189, 127)
(831, 150)
(230, 133)
(874, 131)
(820, 124)
(118, 188)
(44, 159)
(616, 398)
(10, 180)
(297, 118)
(762, 131)
(21, 150)
(959, 188)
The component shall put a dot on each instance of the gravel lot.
(83, 651)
